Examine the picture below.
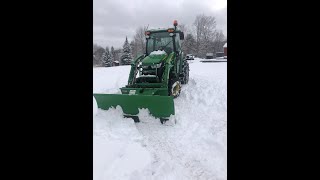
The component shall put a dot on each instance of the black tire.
(185, 78)
(174, 87)
(187, 74)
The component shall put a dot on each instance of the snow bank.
(95, 107)
(110, 79)
(118, 148)
(158, 52)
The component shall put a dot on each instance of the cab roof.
(162, 30)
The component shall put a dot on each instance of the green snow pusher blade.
(159, 106)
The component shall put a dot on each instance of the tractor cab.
(167, 40)
(159, 41)
(160, 44)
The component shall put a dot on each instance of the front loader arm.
(133, 71)
(168, 66)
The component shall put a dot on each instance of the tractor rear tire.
(185, 78)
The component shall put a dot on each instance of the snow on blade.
(159, 52)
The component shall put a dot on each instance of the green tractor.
(155, 77)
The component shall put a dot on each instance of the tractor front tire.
(174, 87)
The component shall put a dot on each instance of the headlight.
(156, 65)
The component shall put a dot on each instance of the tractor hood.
(154, 58)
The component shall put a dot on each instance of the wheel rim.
(176, 87)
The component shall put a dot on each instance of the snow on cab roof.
(225, 45)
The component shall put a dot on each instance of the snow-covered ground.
(194, 148)
(214, 60)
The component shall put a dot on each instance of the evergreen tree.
(107, 58)
(126, 57)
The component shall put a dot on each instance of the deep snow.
(194, 148)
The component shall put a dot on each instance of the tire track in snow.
(169, 155)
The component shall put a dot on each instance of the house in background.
(116, 63)
(225, 51)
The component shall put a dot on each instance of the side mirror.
(181, 35)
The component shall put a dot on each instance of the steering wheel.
(165, 48)
(168, 50)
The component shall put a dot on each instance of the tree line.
(111, 57)
(201, 37)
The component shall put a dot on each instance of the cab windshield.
(160, 41)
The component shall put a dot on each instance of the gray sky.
(113, 20)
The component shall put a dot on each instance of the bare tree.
(183, 28)
(98, 52)
(219, 41)
(139, 42)
(205, 27)
(95, 47)
(112, 54)
(95, 61)
(133, 49)
(189, 45)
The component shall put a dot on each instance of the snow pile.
(95, 107)
(194, 148)
(109, 80)
(159, 52)
(118, 147)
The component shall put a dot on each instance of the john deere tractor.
(155, 77)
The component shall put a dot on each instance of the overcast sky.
(113, 20)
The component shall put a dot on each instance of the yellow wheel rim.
(176, 88)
